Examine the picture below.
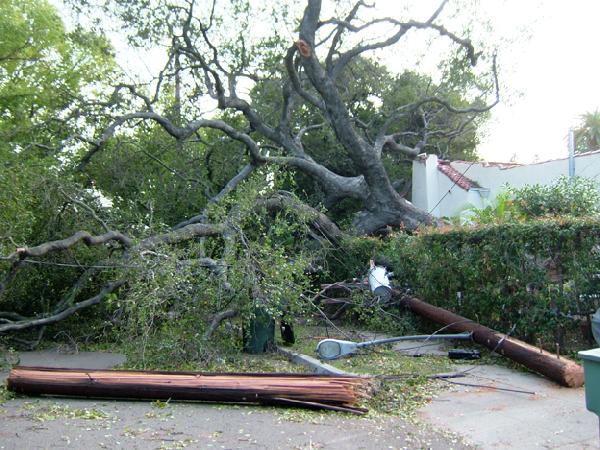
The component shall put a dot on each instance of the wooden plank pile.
(340, 393)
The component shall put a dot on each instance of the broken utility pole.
(339, 393)
(560, 369)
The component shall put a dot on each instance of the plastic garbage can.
(259, 333)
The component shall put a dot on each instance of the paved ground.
(30, 423)
(553, 418)
(414, 348)
(54, 358)
(58, 423)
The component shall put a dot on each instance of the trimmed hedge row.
(540, 279)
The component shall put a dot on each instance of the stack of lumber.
(341, 393)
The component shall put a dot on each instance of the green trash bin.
(259, 333)
(591, 366)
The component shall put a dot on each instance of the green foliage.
(50, 215)
(404, 385)
(351, 259)
(538, 276)
(43, 412)
(587, 135)
(502, 209)
(370, 313)
(153, 182)
(162, 317)
(44, 69)
(579, 197)
(408, 388)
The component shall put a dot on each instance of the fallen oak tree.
(311, 77)
(309, 82)
(228, 232)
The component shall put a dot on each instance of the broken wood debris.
(339, 393)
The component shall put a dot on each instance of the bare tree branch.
(12, 273)
(338, 34)
(180, 235)
(318, 220)
(230, 186)
(295, 80)
(216, 321)
(88, 209)
(34, 322)
(305, 130)
(69, 242)
(179, 133)
(11, 315)
(403, 28)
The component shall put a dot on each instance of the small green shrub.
(579, 197)
(502, 209)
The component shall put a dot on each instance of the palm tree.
(587, 135)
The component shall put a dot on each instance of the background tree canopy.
(226, 177)
(320, 106)
(587, 135)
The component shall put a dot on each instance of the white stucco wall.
(453, 201)
(425, 186)
(427, 192)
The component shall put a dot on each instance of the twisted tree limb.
(318, 220)
(180, 235)
(64, 244)
(28, 323)
(216, 321)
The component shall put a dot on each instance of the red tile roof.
(458, 178)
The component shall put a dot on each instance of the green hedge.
(541, 277)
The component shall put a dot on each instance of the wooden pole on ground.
(558, 368)
(341, 393)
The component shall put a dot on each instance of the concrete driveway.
(46, 423)
(550, 417)
(553, 418)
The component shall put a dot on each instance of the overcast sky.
(549, 67)
(549, 62)
(558, 73)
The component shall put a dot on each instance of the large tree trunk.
(382, 205)
(394, 211)
(314, 65)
